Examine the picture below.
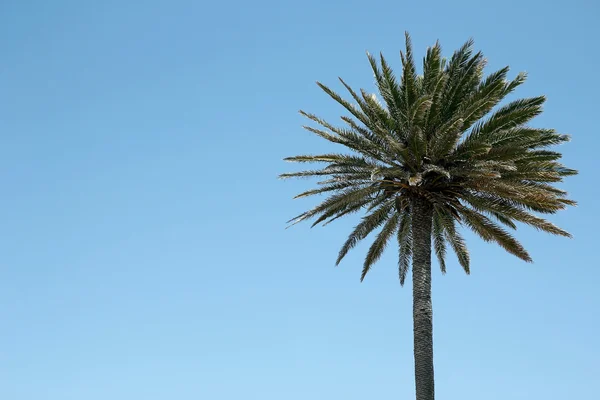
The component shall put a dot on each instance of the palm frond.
(405, 244)
(367, 225)
(439, 242)
(337, 203)
(489, 231)
(378, 246)
(408, 86)
(510, 212)
(454, 238)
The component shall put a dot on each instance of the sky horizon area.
(143, 249)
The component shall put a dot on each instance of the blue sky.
(142, 244)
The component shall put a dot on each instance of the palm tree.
(435, 154)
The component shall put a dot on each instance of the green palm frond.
(367, 225)
(379, 244)
(443, 137)
(503, 208)
(439, 242)
(489, 231)
(448, 224)
(404, 245)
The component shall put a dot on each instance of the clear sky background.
(143, 253)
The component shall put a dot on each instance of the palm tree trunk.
(422, 309)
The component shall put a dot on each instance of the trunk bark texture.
(422, 308)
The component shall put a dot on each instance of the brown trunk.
(422, 308)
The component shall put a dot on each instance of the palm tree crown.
(440, 138)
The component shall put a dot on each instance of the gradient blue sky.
(142, 245)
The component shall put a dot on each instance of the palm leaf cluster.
(442, 137)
